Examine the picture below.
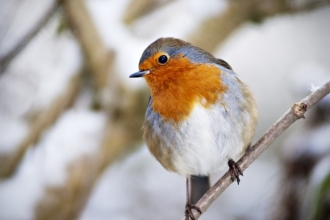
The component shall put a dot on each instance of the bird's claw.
(188, 211)
(235, 171)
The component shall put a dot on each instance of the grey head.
(174, 47)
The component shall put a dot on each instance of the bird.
(200, 116)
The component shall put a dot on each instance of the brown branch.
(214, 30)
(11, 54)
(137, 9)
(294, 113)
(97, 55)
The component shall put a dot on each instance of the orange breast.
(179, 84)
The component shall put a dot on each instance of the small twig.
(294, 113)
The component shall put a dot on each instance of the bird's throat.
(177, 89)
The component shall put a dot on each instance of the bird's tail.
(198, 187)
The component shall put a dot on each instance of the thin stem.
(294, 113)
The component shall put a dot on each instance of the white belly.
(209, 139)
(201, 144)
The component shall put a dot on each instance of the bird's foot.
(188, 212)
(235, 171)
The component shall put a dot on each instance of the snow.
(314, 88)
(12, 132)
(76, 133)
(33, 9)
(61, 60)
(34, 79)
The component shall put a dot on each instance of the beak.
(139, 74)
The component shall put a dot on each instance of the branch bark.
(294, 113)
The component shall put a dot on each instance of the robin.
(200, 116)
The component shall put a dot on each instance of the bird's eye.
(162, 59)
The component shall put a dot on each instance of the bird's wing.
(223, 63)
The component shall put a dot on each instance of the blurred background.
(70, 118)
